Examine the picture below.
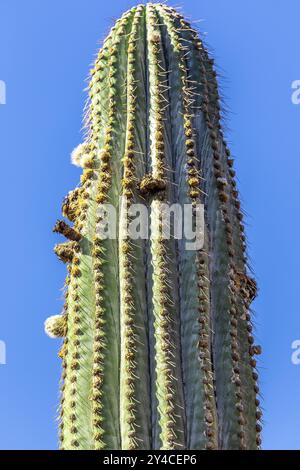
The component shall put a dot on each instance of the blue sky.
(45, 53)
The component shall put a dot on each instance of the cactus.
(158, 351)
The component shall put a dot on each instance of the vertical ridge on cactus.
(158, 349)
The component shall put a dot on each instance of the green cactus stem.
(158, 349)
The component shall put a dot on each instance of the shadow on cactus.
(158, 351)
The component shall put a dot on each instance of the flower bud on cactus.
(55, 326)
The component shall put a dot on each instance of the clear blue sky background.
(45, 52)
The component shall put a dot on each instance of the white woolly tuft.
(85, 160)
(76, 155)
(100, 153)
(54, 326)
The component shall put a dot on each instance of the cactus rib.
(135, 378)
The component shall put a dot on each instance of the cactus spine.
(158, 349)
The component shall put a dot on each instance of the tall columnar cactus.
(158, 351)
